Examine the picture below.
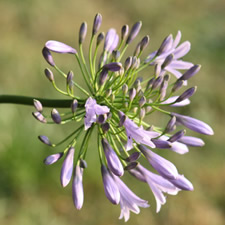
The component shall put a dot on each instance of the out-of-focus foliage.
(30, 192)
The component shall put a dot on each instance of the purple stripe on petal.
(59, 47)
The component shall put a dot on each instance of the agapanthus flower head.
(114, 104)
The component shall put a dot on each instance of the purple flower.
(128, 200)
(182, 183)
(140, 135)
(59, 47)
(158, 185)
(194, 124)
(77, 188)
(113, 161)
(111, 40)
(53, 158)
(67, 168)
(177, 104)
(110, 187)
(171, 47)
(93, 109)
(164, 167)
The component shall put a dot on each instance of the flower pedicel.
(114, 104)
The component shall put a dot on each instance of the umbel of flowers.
(115, 102)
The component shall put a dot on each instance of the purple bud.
(102, 118)
(133, 157)
(83, 164)
(194, 124)
(124, 31)
(149, 84)
(177, 136)
(142, 101)
(110, 187)
(38, 106)
(132, 94)
(187, 94)
(100, 38)
(113, 161)
(83, 32)
(182, 183)
(166, 44)
(161, 143)
(157, 82)
(55, 116)
(170, 125)
(97, 23)
(125, 89)
(131, 166)
(164, 167)
(77, 188)
(109, 39)
(190, 73)
(49, 74)
(122, 120)
(38, 116)
(48, 57)
(192, 141)
(137, 49)
(134, 32)
(74, 106)
(128, 63)
(45, 140)
(177, 85)
(142, 113)
(144, 42)
(114, 66)
(53, 158)
(105, 127)
(103, 76)
(116, 55)
(163, 87)
(167, 61)
(67, 167)
(60, 47)
(69, 77)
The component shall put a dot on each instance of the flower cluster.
(115, 101)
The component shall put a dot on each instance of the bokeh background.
(30, 192)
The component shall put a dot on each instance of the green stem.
(25, 100)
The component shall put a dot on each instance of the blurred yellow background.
(30, 192)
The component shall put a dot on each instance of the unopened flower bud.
(108, 92)
(100, 38)
(142, 113)
(167, 61)
(105, 127)
(177, 85)
(124, 31)
(132, 94)
(116, 54)
(128, 63)
(48, 57)
(144, 42)
(102, 118)
(114, 66)
(170, 125)
(55, 116)
(39, 117)
(191, 72)
(137, 49)
(125, 89)
(165, 45)
(142, 101)
(149, 84)
(97, 23)
(122, 120)
(83, 32)
(53, 158)
(177, 136)
(157, 82)
(134, 32)
(135, 110)
(45, 140)
(131, 166)
(49, 74)
(187, 94)
(103, 76)
(69, 77)
(133, 157)
(38, 106)
(74, 106)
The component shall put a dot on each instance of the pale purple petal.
(59, 47)
(192, 141)
(180, 65)
(177, 39)
(182, 50)
(67, 168)
(182, 183)
(194, 124)
(77, 188)
(178, 104)
(109, 39)
(115, 43)
(175, 72)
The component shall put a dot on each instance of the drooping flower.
(92, 110)
(128, 200)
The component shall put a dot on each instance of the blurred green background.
(30, 192)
